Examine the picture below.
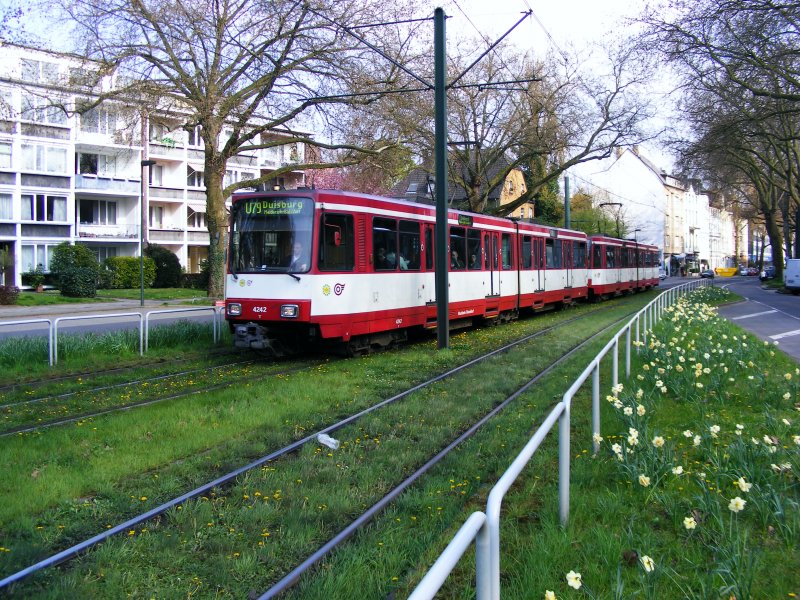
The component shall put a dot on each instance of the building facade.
(74, 174)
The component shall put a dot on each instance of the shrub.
(125, 272)
(34, 278)
(66, 255)
(8, 294)
(78, 282)
(168, 267)
(196, 281)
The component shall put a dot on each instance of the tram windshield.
(271, 234)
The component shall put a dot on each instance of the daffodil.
(736, 504)
(689, 523)
(644, 480)
(742, 484)
(658, 441)
(647, 563)
(549, 595)
(677, 470)
(574, 580)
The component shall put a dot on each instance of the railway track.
(232, 480)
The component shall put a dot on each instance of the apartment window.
(38, 71)
(99, 120)
(5, 155)
(42, 110)
(194, 178)
(156, 175)
(7, 107)
(44, 208)
(196, 219)
(98, 212)
(49, 159)
(96, 164)
(34, 255)
(104, 252)
(194, 138)
(156, 216)
(6, 207)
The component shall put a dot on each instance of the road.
(766, 313)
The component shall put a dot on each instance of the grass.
(50, 297)
(233, 542)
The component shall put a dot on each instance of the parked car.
(768, 273)
(708, 274)
(662, 274)
(752, 271)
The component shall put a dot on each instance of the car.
(708, 274)
(662, 274)
(768, 273)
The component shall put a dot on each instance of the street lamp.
(618, 205)
(142, 196)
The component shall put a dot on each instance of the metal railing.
(483, 528)
(217, 315)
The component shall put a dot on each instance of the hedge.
(123, 272)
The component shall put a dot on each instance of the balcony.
(105, 232)
(107, 185)
(165, 234)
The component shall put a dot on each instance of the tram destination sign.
(274, 206)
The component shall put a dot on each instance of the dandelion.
(549, 595)
(658, 441)
(742, 484)
(644, 480)
(640, 410)
(736, 504)
(677, 470)
(574, 580)
(647, 563)
(689, 523)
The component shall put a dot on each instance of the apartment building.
(74, 175)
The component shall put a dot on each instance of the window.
(194, 138)
(49, 159)
(526, 252)
(553, 253)
(196, 218)
(384, 244)
(104, 252)
(99, 119)
(37, 71)
(597, 257)
(474, 254)
(44, 208)
(7, 105)
(43, 110)
(337, 243)
(194, 178)
(34, 255)
(610, 258)
(98, 212)
(408, 258)
(156, 216)
(5, 155)
(458, 248)
(538, 255)
(505, 247)
(6, 207)
(579, 256)
(156, 174)
(429, 248)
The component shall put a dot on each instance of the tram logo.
(338, 289)
(326, 290)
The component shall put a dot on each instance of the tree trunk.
(217, 229)
(776, 241)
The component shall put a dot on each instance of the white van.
(791, 276)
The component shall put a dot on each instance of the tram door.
(491, 243)
(430, 260)
(568, 264)
(538, 262)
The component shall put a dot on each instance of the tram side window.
(610, 262)
(337, 243)
(384, 244)
(526, 252)
(458, 248)
(429, 249)
(548, 251)
(408, 258)
(567, 253)
(554, 256)
(579, 255)
(474, 254)
(506, 250)
(597, 257)
(538, 255)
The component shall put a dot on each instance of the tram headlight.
(234, 309)
(290, 311)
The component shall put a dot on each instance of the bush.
(196, 281)
(168, 267)
(34, 278)
(8, 294)
(78, 282)
(125, 273)
(66, 255)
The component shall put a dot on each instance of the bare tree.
(251, 74)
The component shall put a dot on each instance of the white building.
(77, 178)
(693, 229)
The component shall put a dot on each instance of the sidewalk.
(54, 311)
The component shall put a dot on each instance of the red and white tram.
(306, 266)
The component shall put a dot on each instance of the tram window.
(556, 260)
(597, 257)
(429, 249)
(526, 252)
(624, 258)
(408, 258)
(579, 255)
(538, 255)
(337, 243)
(458, 248)
(567, 253)
(610, 262)
(384, 244)
(474, 254)
(548, 249)
(505, 245)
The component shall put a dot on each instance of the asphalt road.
(766, 313)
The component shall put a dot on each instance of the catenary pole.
(440, 159)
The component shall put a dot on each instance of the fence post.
(628, 351)
(563, 463)
(483, 563)
(596, 405)
(615, 362)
